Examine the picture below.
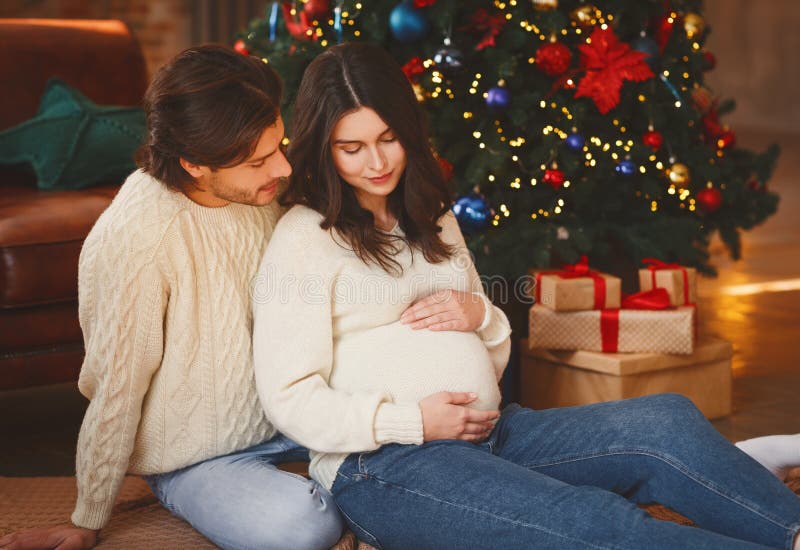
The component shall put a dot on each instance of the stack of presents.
(589, 343)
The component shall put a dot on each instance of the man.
(164, 294)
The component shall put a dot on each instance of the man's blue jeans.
(570, 478)
(242, 501)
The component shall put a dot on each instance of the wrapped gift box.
(576, 293)
(551, 378)
(623, 330)
(678, 281)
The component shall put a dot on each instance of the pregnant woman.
(376, 347)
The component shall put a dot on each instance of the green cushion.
(73, 143)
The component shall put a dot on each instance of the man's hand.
(446, 310)
(59, 537)
(445, 416)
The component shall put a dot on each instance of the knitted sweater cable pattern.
(164, 305)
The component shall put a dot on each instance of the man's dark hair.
(209, 105)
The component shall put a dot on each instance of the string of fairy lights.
(617, 149)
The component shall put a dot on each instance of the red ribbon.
(655, 299)
(577, 271)
(654, 265)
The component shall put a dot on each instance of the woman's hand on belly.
(447, 309)
(445, 415)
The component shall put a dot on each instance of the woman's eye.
(352, 151)
(259, 165)
(390, 139)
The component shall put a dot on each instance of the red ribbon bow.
(576, 271)
(654, 265)
(655, 299)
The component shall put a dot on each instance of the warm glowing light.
(783, 285)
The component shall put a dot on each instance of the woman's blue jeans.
(242, 501)
(570, 478)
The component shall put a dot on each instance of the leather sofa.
(41, 232)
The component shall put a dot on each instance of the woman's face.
(367, 154)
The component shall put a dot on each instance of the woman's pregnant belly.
(412, 364)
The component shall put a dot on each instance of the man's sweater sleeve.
(495, 330)
(293, 351)
(122, 301)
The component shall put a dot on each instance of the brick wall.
(163, 27)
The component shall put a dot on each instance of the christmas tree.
(567, 127)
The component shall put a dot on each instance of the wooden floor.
(38, 427)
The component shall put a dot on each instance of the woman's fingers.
(478, 428)
(435, 319)
(430, 305)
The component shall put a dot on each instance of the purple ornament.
(498, 97)
(575, 141)
(626, 168)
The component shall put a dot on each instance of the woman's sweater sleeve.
(293, 351)
(495, 330)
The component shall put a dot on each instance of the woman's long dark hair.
(339, 81)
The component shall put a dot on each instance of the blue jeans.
(570, 478)
(242, 501)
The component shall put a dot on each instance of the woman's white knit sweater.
(335, 369)
(164, 305)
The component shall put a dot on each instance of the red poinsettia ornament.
(300, 27)
(608, 63)
(488, 23)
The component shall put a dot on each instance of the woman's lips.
(381, 179)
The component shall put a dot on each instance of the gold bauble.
(583, 15)
(545, 5)
(694, 24)
(679, 174)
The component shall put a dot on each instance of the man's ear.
(194, 170)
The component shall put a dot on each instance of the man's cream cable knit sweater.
(165, 311)
(335, 368)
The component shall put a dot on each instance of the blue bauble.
(626, 167)
(575, 141)
(498, 97)
(408, 23)
(473, 213)
(650, 49)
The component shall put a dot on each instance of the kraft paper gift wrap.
(575, 287)
(678, 281)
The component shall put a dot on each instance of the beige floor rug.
(139, 521)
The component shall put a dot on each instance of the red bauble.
(317, 9)
(709, 199)
(653, 139)
(413, 68)
(710, 61)
(240, 47)
(726, 140)
(423, 3)
(553, 58)
(446, 167)
(554, 177)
